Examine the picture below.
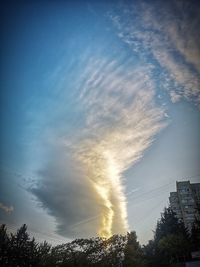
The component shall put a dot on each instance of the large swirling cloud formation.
(121, 120)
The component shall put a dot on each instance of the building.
(185, 202)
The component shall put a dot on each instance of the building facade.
(185, 202)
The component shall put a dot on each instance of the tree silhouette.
(170, 244)
(133, 252)
(4, 245)
(169, 224)
(171, 241)
(42, 255)
(195, 234)
(22, 249)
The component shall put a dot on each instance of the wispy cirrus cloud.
(169, 37)
(120, 120)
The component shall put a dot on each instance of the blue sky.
(99, 114)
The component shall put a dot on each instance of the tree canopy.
(172, 243)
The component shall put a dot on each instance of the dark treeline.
(171, 244)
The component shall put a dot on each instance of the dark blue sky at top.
(33, 43)
(36, 37)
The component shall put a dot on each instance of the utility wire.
(162, 188)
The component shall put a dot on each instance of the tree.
(171, 241)
(169, 224)
(112, 252)
(133, 255)
(4, 245)
(195, 234)
(43, 254)
(22, 250)
(174, 248)
(150, 255)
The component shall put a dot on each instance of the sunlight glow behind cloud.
(87, 88)
(121, 121)
(117, 106)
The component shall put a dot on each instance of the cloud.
(169, 38)
(185, 32)
(82, 184)
(7, 209)
(66, 194)
(174, 97)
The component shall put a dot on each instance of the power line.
(149, 216)
(160, 187)
(152, 190)
(12, 228)
(160, 190)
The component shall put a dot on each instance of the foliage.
(4, 245)
(195, 234)
(169, 224)
(133, 252)
(174, 247)
(19, 250)
(171, 244)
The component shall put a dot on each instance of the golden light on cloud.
(121, 121)
(102, 176)
(105, 229)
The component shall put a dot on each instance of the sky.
(100, 114)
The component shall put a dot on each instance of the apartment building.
(185, 202)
